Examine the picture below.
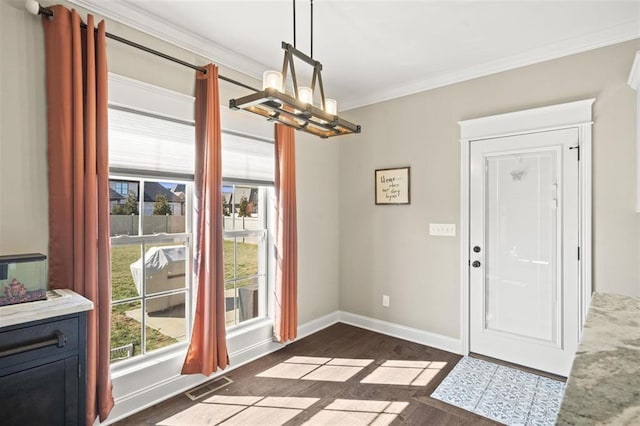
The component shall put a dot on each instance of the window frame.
(131, 375)
(263, 274)
(145, 99)
(143, 239)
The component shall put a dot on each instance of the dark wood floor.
(338, 341)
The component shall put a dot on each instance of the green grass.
(125, 330)
(247, 260)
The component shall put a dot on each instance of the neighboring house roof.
(153, 189)
(179, 188)
(115, 195)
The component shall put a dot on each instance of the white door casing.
(509, 134)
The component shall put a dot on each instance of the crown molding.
(127, 13)
(594, 40)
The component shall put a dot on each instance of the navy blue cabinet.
(42, 372)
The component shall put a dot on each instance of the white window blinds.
(141, 143)
(150, 145)
(246, 159)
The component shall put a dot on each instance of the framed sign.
(392, 186)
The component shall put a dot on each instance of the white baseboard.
(411, 334)
(317, 324)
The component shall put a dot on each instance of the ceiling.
(377, 50)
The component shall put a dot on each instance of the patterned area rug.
(501, 393)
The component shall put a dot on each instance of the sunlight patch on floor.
(240, 410)
(358, 412)
(399, 372)
(276, 411)
(317, 368)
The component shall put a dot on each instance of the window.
(121, 188)
(247, 173)
(151, 241)
(245, 252)
(151, 162)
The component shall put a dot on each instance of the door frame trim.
(555, 117)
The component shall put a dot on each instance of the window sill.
(247, 326)
(128, 366)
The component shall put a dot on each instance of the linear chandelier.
(296, 110)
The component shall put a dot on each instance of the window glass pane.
(245, 212)
(231, 303)
(165, 321)
(164, 208)
(227, 207)
(124, 207)
(241, 299)
(126, 331)
(247, 256)
(247, 298)
(229, 258)
(164, 266)
(123, 258)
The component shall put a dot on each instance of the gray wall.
(388, 250)
(23, 166)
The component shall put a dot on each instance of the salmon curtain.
(286, 288)
(79, 244)
(208, 348)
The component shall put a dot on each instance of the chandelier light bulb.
(272, 80)
(305, 94)
(331, 106)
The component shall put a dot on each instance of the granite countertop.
(59, 302)
(604, 384)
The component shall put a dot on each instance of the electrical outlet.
(385, 300)
(442, 229)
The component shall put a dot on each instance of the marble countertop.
(59, 302)
(604, 384)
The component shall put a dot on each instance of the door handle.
(476, 264)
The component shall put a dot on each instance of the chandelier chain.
(311, 28)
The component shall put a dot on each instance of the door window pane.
(522, 234)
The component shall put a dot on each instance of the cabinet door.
(43, 395)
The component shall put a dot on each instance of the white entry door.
(523, 240)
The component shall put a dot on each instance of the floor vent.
(207, 388)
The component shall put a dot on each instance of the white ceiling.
(377, 50)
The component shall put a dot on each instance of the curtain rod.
(35, 8)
